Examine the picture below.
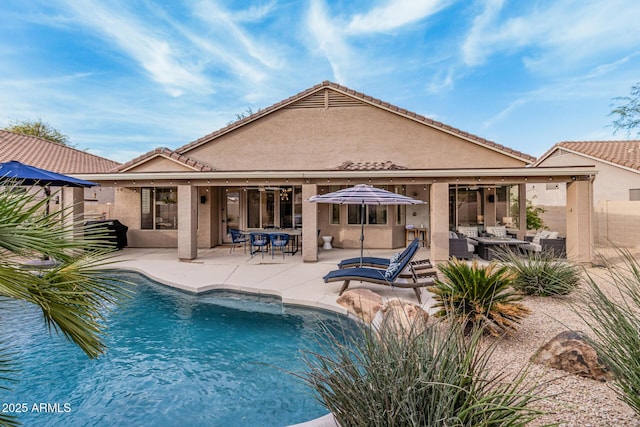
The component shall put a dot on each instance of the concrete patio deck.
(291, 279)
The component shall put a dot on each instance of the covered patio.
(259, 173)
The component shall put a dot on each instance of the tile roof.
(45, 154)
(366, 99)
(368, 166)
(621, 153)
(169, 154)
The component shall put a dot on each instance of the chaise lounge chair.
(390, 277)
(376, 262)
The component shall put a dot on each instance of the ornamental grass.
(438, 377)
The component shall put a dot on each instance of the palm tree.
(74, 294)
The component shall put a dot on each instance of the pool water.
(173, 359)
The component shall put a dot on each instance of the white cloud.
(254, 13)
(156, 52)
(553, 35)
(333, 35)
(329, 40)
(394, 14)
(233, 36)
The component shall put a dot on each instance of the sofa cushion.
(537, 237)
(468, 231)
(553, 235)
(536, 247)
(498, 231)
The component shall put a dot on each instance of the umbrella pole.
(362, 212)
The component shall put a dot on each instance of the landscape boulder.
(571, 352)
(403, 317)
(364, 303)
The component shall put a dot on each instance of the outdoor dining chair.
(237, 238)
(260, 241)
(278, 240)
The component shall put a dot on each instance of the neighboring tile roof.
(368, 166)
(170, 154)
(364, 98)
(45, 154)
(621, 153)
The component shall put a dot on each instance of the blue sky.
(122, 77)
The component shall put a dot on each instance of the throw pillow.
(391, 270)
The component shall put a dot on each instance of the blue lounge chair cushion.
(375, 261)
(394, 258)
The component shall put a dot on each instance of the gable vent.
(326, 99)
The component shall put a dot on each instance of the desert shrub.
(541, 274)
(479, 297)
(437, 377)
(615, 323)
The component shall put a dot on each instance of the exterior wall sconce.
(203, 199)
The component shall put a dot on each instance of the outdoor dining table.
(294, 236)
(487, 245)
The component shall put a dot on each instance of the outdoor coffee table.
(487, 245)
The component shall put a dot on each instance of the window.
(335, 214)
(634, 194)
(158, 208)
(274, 207)
(373, 214)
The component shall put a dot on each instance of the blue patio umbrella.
(363, 195)
(31, 175)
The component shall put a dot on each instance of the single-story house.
(616, 192)
(45, 154)
(261, 170)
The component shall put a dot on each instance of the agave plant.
(542, 274)
(479, 297)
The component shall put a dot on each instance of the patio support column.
(187, 222)
(309, 224)
(72, 201)
(579, 221)
(522, 212)
(439, 212)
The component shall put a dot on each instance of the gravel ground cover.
(577, 401)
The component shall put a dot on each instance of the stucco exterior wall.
(616, 220)
(611, 182)
(310, 138)
(618, 223)
(161, 164)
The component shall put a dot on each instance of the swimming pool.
(173, 359)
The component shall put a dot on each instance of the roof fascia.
(154, 156)
(541, 172)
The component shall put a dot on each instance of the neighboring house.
(260, 172)
(616, 190)
(59, 158)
